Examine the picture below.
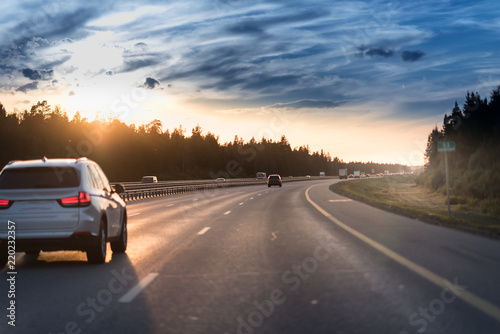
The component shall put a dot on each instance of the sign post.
(447, 146)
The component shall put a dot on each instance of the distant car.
(60, 204)
(260, 176)
(149, 179)
(274, 180)
(351, 176)
(220, 179)
(308, 176)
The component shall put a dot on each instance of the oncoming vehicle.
(61, 204)
(260, 176)
(149, 179)
(220, 181)
(274, 180)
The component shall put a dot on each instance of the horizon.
(363, 81)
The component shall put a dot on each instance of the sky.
(362, 80)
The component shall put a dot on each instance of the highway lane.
(262, 260)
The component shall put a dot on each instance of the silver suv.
(60, 204)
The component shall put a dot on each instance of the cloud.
(72, 93)
(308, 103)
(250, 28)
(411, 56)
(57, 23)
(141, 46)
(258, 22)
(28, 87)
(135, 64)
(219, 67)
(266, 81)
(151, 83)
(35, 43)
(54, 63)
(380, 53)
(38, 74)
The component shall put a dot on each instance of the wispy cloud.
(311, 104)
(28, 87)
(38, 74)
(247, 55)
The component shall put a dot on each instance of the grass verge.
(400, 194)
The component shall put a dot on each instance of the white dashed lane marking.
(129, 296)
(204, 231)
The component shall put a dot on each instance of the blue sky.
(363, 80)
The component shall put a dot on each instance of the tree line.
(475, 165)
(128, 152)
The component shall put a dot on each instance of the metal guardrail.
(136, 191)
(150, 192)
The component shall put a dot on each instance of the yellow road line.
(466, 296)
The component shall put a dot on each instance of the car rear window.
(39, 178)
(274, 177)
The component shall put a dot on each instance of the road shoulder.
(414, 214)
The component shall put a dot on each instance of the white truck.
(343, 173)
(357, 174)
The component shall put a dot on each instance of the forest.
(475, 165)
(128, 152)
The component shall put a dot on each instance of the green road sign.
(446, 146)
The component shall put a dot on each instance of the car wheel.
(120, 246)
(96, 253)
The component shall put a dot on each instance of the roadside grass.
(402, 195)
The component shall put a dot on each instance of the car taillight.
(5, 204)
(83, 199)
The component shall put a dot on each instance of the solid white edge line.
(464, 295)
(204, 231)
(129, 296)
(134, 214)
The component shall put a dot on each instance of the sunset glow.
(364, 81)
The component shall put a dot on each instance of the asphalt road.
(296, 259)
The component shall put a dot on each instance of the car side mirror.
(119, 188)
